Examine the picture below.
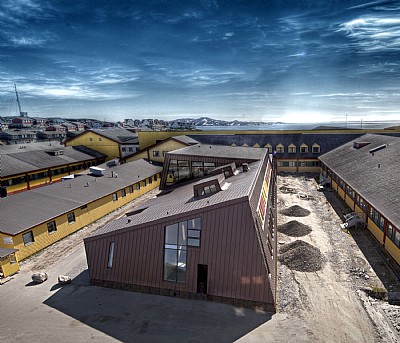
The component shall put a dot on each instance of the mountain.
(205, 121)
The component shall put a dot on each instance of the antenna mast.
(22, 114)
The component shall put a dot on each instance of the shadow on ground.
(383, 265)
(136, 317)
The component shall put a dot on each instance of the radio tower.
(22, 114)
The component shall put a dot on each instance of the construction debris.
(295, 211)
(294, 229)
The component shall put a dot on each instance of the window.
(280, 149)
(28, 238)
(110, 255)
(51, 226)
(71, 218)
(138, 186)
(156, 153)
(303, 149)
(350, 192)
(144, 183)
(393, 235)
(377, 218)
(342, 185)
(361, 203)
(83, 207)
(178, 237)
(164, 153)
(123, 192)
(150, 180)
(209, 189)
(123, 149)
(131, 189)
(316, 149)
(115, 197)
(292, 149)
(130, 149)
(91, 139)
(100, 139)
(155, 177)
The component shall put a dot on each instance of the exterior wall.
(393, 250)
(229, 247)
(142, 154)
(340, 192)
(350, 202)
(105, 145)
(83, 216)
(375, 230)
(7, 267)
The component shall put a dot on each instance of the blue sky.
(293, 61)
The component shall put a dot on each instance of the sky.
(272, 60)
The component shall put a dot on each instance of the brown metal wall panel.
(229, 246)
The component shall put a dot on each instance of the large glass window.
(208, 167)
(177, 237)
(197, 169)
(350, 192)
(377, 218)
(183, 170)
(361, 203)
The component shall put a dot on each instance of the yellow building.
(32, 220)
(157, 151)
(33, 165)
(113, 142)
(364, 173)
(8, 262)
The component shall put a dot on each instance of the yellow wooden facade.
(378, 233)
(84, 215)
(97, 142)
(9, 265)
(71, 168)
(156, 152)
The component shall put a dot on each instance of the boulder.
(39, 277)
(64, 279)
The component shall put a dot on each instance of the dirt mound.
(301, 256)
(294, 229)
(295, 211)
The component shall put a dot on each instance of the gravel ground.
(330, 300)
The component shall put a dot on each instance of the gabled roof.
(22, 211)
(35, 156)
(374, 176)
(4, 252)
(118, 135)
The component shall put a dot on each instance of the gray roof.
(208, 150)
(22, 211)
(375, 177)
(185, 139)
(181, 200)
(327, 141)
(35, 156)
(5, 252)
(118, 134)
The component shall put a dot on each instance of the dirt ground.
(331, 302)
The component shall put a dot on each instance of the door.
(202, 272)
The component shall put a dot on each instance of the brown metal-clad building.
(212, 239)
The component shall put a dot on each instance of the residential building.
(25, 167)
(18, 137)
(51, 136)
(21, 122)
(213, 238)
(365, 174)
(8, 262)
(114, 142)
(32, 220)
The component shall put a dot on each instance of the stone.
(64, 279)
(39, 277)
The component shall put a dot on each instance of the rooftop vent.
(228, 170)
(132, 213)
(56, 152)
(96, 171)
(358, 145)
(380, 147)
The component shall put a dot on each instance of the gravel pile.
(295, 211)
(301, 256)
(294, 229)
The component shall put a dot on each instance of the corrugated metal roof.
(118, 134)
(374, 176)
(218, 151)
(22, 211)
(181, 200)
(17, 161)
(5, 252)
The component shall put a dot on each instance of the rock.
(39, 277)
(64, 279)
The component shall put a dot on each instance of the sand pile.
(295, 211)
(301, 256)
(294, 229)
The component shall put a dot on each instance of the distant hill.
(205, 121)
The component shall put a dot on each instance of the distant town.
(24, 129)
